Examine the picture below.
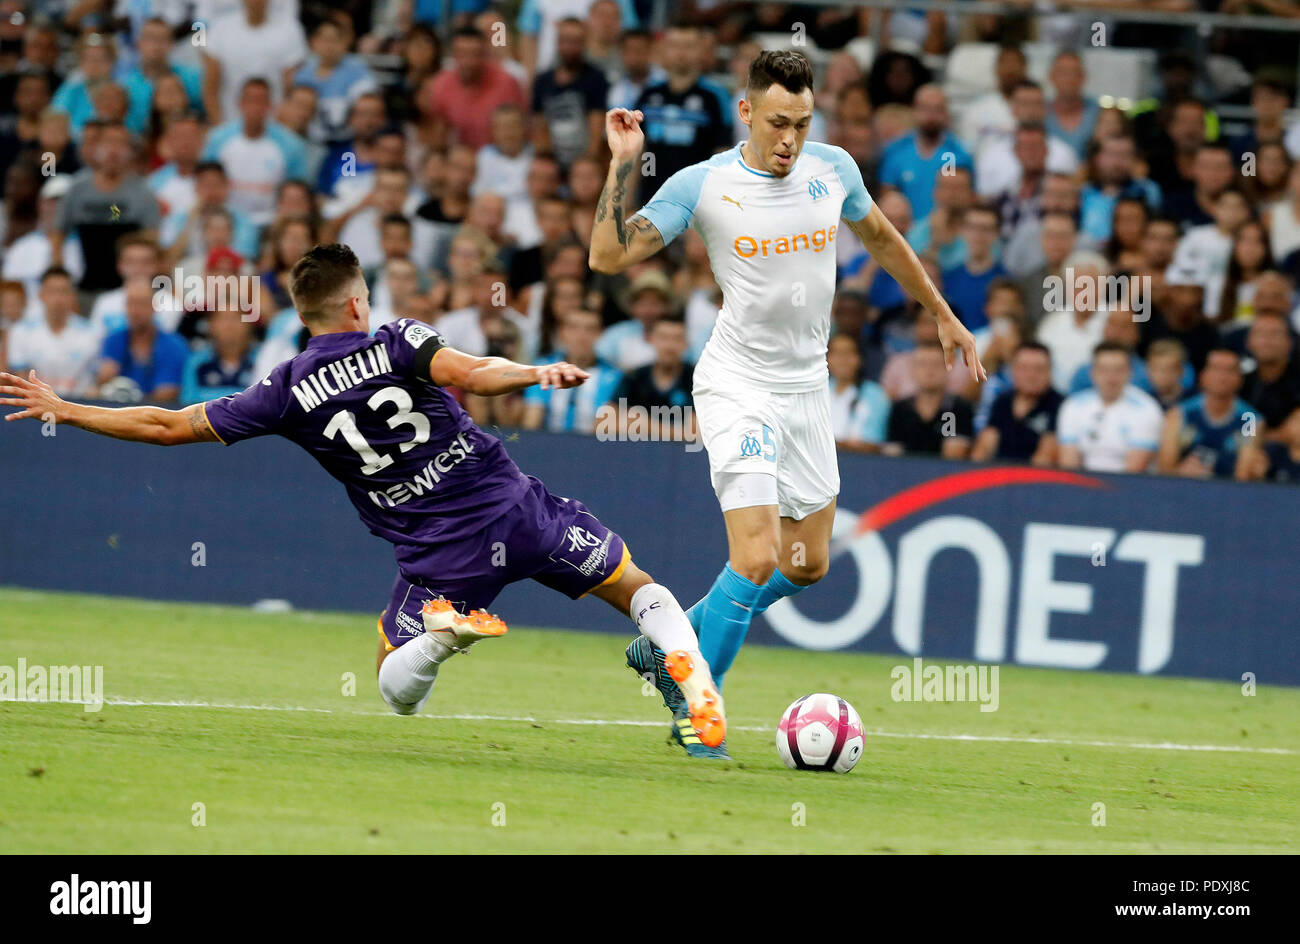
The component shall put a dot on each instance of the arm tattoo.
(616, 199)
(199, 425)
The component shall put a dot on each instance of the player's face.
(778, 122)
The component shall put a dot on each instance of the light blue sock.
(778, 587)
(726, 612)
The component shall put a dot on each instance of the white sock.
(659, 616)
(406, 677)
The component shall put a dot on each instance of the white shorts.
(786, 435)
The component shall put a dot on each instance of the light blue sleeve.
(610, 378)
(190, 390)
(217, 139)
(606, 346)
(857, 202)
(530, 18)
(673, 206)
(876, 406)
(628, 12)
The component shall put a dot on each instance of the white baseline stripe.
(527, 719)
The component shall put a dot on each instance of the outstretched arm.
(890, 249)
(146, 424)
(495, 376)
(616, 241)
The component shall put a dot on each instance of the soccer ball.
(820, 732)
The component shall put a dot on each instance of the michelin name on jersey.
(431, 475)
(341, 375)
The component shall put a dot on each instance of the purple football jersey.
(419, 472)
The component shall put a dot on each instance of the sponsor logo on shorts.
(595, 562)
(408, 625)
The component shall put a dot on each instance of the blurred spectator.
(1111, 176)
(1272, 385)
(939, 233)
(1250, 258)
(1071, 117)
(684, 121)
(182, 231)
(102, 206)
(931, 421)
(1022, 419)
(913, 161)
(1113, 426)
(1277, 460)
(76, 97)
(402, 283)
(569, 99)
(1026, 249)
(257, 153)
(1270, 97)
(540, 23)
(138, 257)
(460, 100)
(153, 360)
(1005, 161)
(356, 154)
(58, 343)
(1124, 248)
(1202, 435)
(245, 44)
(1284, 217)
(573, 410)
(627, 345)
(639, 70)
(181, 146)
(1181, 315)
(467, 329)
(288, 241)
(1171, 158)
(661, 388)
(1058, 238)
(1072, 330)
(361, 225)
(154, 63)
(966, 285)
(1167, 375)
(1118, 328)
(859, 408)
(1212, 172)
(20, 131)
(226, 366)
(502, 168)
(990, 119)
(337, 77)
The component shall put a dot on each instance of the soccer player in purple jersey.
(463, 520)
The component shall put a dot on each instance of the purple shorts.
(556, 541)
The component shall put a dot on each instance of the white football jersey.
(66, 360)
(771, 243)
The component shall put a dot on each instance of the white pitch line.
(628, 722)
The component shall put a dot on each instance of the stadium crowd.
(1129, 268)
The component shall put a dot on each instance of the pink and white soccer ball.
(821, 732)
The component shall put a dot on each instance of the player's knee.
(755, 562)
(806, 572)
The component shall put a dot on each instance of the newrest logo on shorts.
(747, 247)
(76, 897)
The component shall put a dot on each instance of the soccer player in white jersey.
(769, 211)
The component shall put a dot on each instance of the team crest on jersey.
(818, 190)
(416, 334)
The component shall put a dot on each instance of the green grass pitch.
(543, 741)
